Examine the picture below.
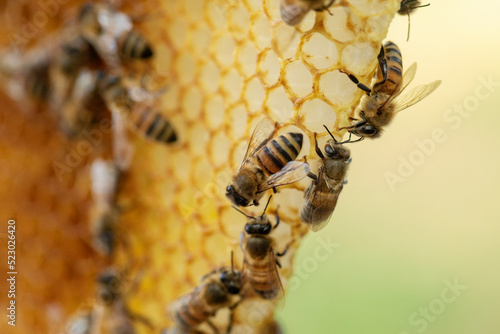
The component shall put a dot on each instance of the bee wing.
(262, 133)
(290, 173)
(123, 151)
(408, 77)
(328, 206)
(293, 13)
(274, 277)
(415, 95)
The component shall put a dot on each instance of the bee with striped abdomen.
(380, 106)
(115, 315)
(293, 11)
(323, 193)
(105, 182)
(267, 164)
(219, 289)
(407, 7)
(112, 35)
(138, 106)
(260, 271)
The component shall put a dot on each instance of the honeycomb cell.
(376, 26)
(219, 148)
(177, 34)
(260, 32)
(201, 36)
(279, 106)
(216, 14)
(285, 41)
(337, 88)
(339, 27)
(185, 66)
(268, 67)
(215, 253)
(214, 112)
(232, 84)
(193, 9)
(191, 103)
(298, 78)
(254, 95)
(319, 52)
(374, 7)
(318, 114)
(246, 58)
(358, 58)
(237, 120)
(239, 22)
(201, 133)
(223, 50)
(209, 77)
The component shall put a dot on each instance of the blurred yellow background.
(420, 212)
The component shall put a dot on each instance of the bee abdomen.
(135, 46)
(153, 125)
(394, 66)
(190, 315)
(278, 152)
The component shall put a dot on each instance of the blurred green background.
(401, 243)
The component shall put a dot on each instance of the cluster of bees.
(86, 76)
(89, 73)
(270, 162)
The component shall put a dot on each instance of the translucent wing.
(275, 280)
(290, 173)
(292, 13)
(262, 133)
(415, 95)
(322, 214)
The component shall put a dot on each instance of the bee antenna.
(335, 140)
(244, 214)
(269, 200)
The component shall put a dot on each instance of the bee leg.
(212, 326)
(312, 176)
(274, 190)
(231, 316)
(277, 219)
(282, 254)
(382, 62)
(359, 84)
(318, 151)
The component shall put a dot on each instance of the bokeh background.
(398, 245)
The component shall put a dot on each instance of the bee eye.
(331, 152)
(368, 130)
(105, 296)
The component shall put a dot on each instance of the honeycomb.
(226, 64)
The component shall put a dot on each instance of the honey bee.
(323, 193)
(112, 35)
(380, 106)
(83, 107)
(76, 53)
(267, 164)
(407, 7)
(138, 105)
(219, 289)
(260, 270)
(110, 312)
(115, 315)
(106, 179)
(294, 11)
(37, 82)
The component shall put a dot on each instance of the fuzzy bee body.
(218, 290)
(133, 45)
(322, 195)
(380, 106)
(141, 111)
(268, 163)
(260, 271)
(37, 82)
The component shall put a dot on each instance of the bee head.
(236, 198)
(109, 286)
(258, 226)
(365, 130)
(231, 280)
(337, 151)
